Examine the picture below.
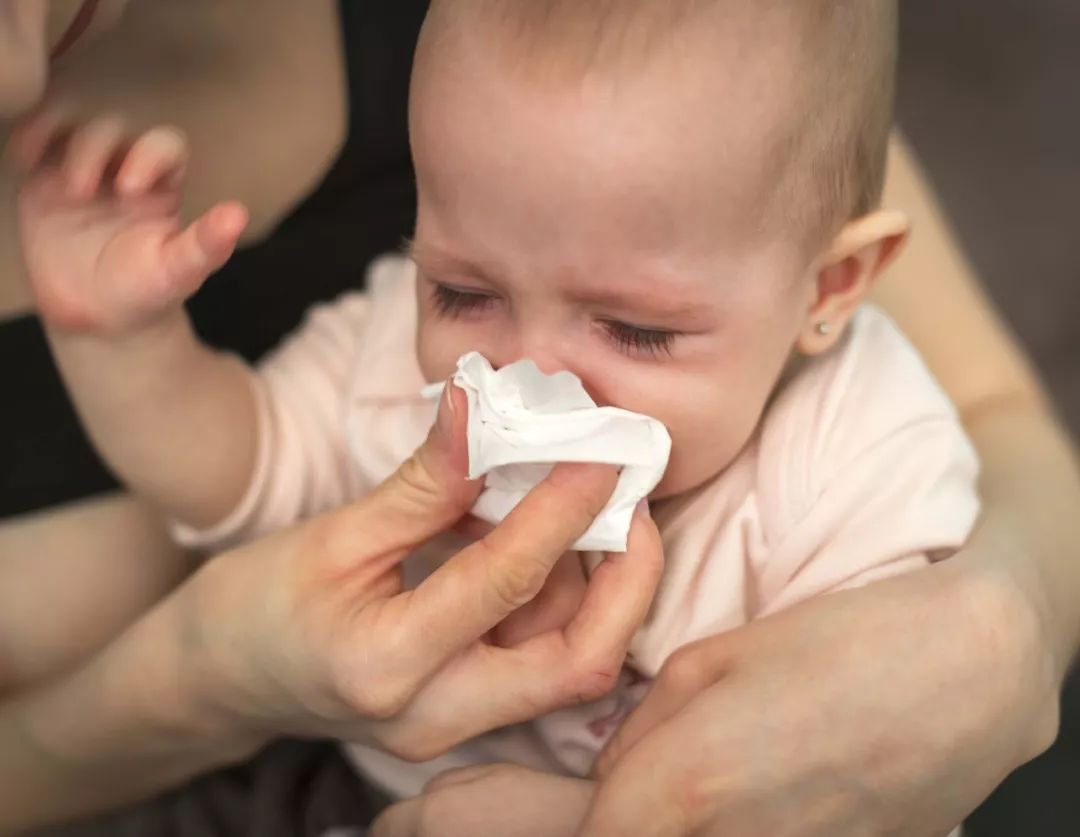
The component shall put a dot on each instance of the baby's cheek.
(439, 345)
(701, 448)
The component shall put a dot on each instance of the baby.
(677, 200)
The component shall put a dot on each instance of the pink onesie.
(859, 470)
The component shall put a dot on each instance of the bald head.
(831, 63)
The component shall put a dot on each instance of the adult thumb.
(431, 491)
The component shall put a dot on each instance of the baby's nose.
(535, 344)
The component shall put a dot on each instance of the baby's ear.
(845, 274)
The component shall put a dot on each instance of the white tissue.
(522, 422)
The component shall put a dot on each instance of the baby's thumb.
(193, 254)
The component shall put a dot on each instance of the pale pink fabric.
(860, 470)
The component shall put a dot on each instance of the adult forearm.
(174, 419)
(133, 722)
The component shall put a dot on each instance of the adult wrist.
(129, 724)
(153, 701)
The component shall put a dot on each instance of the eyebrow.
(437, 261)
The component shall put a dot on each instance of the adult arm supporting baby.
(1030, 481)
(898, 707)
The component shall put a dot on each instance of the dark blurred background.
(990, 97)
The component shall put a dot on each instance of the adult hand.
(891, 710)
(494, 800)
(311, 633)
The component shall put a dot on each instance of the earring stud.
(824, 329)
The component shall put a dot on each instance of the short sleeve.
(302, 465)
(908, 498)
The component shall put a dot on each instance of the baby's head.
(666, 197)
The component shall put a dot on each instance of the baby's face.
(609, 229)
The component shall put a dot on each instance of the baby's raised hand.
(98, 210)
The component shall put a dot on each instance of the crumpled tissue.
(522, 422)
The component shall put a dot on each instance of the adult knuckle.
(593, 678)
(382, 699)
(415, 492)
(516, 579)
(415, 474)
(683, 672)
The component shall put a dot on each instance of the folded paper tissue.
(522, 422)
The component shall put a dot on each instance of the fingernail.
(444, 422)
(643, 510)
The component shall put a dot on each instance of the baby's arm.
(110, 268)
(491, 801)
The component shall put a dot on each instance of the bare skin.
(225, 72)
(935, 298)
(995, 635)
(309, 632)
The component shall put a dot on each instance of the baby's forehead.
(794, 95)
(700, 122)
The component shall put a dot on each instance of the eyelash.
(649, 341)
(452, 302)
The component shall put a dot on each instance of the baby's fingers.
(191, 255)
(91, 151)
(158, 157)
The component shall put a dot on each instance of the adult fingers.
(488, 687)
(400, 820)
(486, 582)
(685, 675)
(553, 608)
(427, 495)
(495, 800)
(617, 601)
(650, 793)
